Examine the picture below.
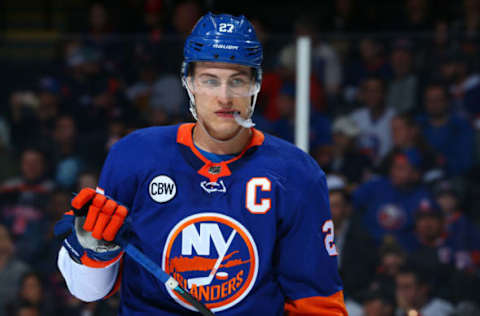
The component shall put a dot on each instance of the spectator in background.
(23, 119)
(26, 309)
(387, 204)
(99, 36)
(445, 254)
(345, 17)
(11, 270)
(465, 88)
(162, 43)
(87, 179)
(284, 126)
(185, 14)
(94, 96)
(7, 164)
(392, 258)
(406, 136)
(32, 114)
(374, 120)
(357, 267)
(271, 44)
(116, 130)
(372, 63)
(435, 51)
(48, 104)
(346, 158)
(325, 62)
(446, 132)
(432, 248)
(429, 228)
(464, 237)
(157, 94)
(168, 30)
(23, 201)
(4, 134)
(469, 22)
(402, 90)
(414, 293)
(154, 19)
(378, 302)
(45, 262)
(415, 17)
(280, 83)
(32, 291)
(67, 158)
(140, 91)
(167, 95)
(99, 23)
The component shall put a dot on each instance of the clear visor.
(235, 87)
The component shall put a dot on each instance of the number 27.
(226, 27)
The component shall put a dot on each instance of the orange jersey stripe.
(184, 137)
(332, 305)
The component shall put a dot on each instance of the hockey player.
(239, 218)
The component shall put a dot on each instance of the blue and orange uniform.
(249, 233)
(254, 231)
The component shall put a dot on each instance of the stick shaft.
(153, 268)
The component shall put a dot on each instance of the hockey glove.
(89, 239)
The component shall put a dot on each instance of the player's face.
(220, 90)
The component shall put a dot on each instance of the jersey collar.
(214, 170)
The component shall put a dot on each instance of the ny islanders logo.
(214, 257)
(391, 217)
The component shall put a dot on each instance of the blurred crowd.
(395, 125)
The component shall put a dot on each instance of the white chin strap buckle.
(246, 123)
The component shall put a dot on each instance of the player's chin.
(226, 130)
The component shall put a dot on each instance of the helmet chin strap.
(244, 123)
(248, 123)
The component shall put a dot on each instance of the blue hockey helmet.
(223, 38)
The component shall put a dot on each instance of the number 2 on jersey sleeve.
(327, 228)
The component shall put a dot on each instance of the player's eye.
(210, 82)
(238, 82)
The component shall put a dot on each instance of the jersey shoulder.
(154, 136)
(288, 160)
(142, 145)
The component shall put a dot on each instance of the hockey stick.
(208, 279)
(151, 266)
(165, 278)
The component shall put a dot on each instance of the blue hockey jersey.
(387, 209)
(251, 235)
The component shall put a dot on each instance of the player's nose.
(224, 95)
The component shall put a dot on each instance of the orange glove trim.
(89, 262)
